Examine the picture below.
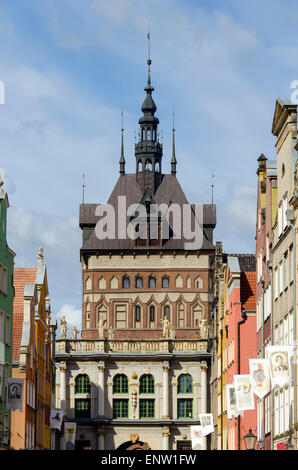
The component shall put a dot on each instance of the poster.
(207, 426)
(280, 370)
(56, 419)
(69, 435)
(232, 410)
(244, 393)
(197, 439)
(14, 394)
(260, 376)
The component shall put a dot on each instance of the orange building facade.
(32, 358)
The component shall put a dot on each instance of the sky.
(70, 67)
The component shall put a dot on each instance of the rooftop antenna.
(212, 186)
(83, 189)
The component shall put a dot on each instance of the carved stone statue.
(74, 333)
(166, 328)
(40, 256)
(63, 328)
(100, 326)
(111, 333)
(203, 328)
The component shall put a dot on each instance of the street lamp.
(250, 440)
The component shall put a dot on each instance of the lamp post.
(250, 440)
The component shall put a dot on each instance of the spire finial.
(149, 60)
(212, 186)
(173, 161)
(83, 188)
(122, 159)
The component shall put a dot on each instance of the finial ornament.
(173, 161)
(40, 256)
(83, 189)
(122, 159)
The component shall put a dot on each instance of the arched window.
(165, 282)
(152, 282)
(125, 283)
(166, 312)
(138, 313)
(139, 166)
(82, 384)
(149, 134)
(120, 384)
(152, 313)
(147, 383)
(148, 165)
(184, 383)
(139, 283)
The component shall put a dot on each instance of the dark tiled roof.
(168, 192)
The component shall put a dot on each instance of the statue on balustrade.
(74, 333)
(166, 328)
(100, 326)
(63, 328)
(111, 333)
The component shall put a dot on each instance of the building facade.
(32, 357)
(284, 128)
(235, 314)
(266, 217)
(6, 317)
(139, 374)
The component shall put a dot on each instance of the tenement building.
(138, 376)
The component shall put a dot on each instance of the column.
(63, 369)
(165, 438)
(101, 390)
(204, 368)
(165, 391)
(100, 439)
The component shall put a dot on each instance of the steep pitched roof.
(22, 276)
(168, 192)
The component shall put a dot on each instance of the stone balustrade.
(80, 346)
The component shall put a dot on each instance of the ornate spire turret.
(148, 151)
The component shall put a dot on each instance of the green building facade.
(6, 318)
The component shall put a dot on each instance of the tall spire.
(148, 150)
(122, 159)
(173, 161)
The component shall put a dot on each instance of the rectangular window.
(286, 270)
(82, 408)
(280, 212)
(291, 263)
(120, 408)
(185, 408)
(291, 329)
(7, 330)
(276, 283)
(4, 281)
(281, 286)
(285, 208)
(276, 414)
(147, 408)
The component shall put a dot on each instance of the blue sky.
(69, 67)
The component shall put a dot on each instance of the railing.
(130, 346)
